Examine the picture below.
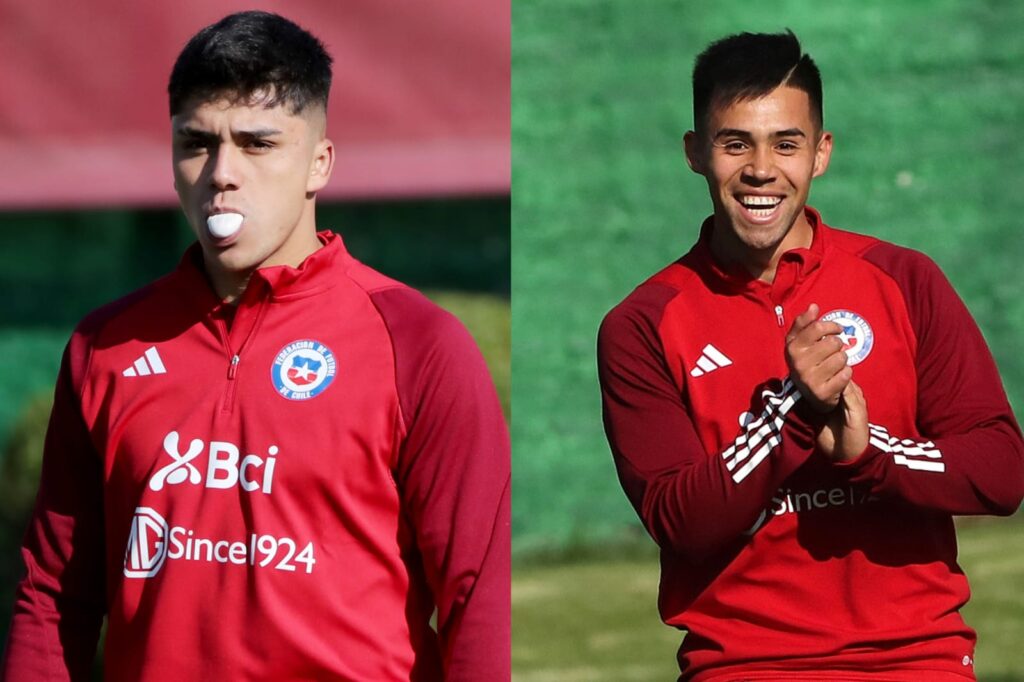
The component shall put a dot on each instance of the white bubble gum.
(223, 225)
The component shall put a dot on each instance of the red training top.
(779, 563)
(285, 497)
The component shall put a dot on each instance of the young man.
(796, 412)
(274, 463)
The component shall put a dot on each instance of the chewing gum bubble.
(224, 225)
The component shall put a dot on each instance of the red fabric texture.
(318, 552)
(775, 560)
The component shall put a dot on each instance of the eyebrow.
(736, 132)
(259, 132)
(189, 131)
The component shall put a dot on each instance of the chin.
(763, 236)
(231, 259)
(758, 237)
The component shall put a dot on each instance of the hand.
(817, 361)
(845, 435)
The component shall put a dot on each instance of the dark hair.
(247, 53)
(751, 65)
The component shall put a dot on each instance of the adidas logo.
(148, 363)
(710, 359)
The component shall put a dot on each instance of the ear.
(323, 164)
(822, 153)
(695, 153)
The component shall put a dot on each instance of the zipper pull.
(778, 316)
(233, 367)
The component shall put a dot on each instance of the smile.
(759, 206)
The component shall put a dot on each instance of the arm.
(970, 458)
(454, 474)
(691, 501)
(59, 604)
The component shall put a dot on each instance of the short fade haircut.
(750, 65)
(250, 54)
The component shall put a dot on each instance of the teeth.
(753, 200)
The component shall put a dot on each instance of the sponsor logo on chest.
(152, 540)
(225, 466)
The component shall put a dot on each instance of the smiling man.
(274, 463)
(796, 412)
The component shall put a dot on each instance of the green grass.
(924, 99)
(596, 620)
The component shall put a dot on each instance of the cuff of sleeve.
(852, 465)
(803, 421)
(804, 417)
(864, 468)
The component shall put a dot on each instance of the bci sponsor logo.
(786, 501)
(225, 466)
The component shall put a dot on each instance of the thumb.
(803, 319)
(855, 403)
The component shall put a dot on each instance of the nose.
(226, 173)
(761, 167)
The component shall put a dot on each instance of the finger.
(832, 364)
(856, 405)
(828, 380)
(830, 390)
(827, 354)
(816, 331)
(823, 349)
(802, 320)
(855, 392)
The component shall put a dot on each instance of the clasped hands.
(817, 365)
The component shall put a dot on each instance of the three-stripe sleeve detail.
(762, 435)
(916, 455)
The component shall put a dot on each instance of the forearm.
(709, 500)
(977, 472)
(477, 631)
(970, 459)
(51, 637)
(60, 601)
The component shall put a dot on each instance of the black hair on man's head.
(751, 65)
(252, 54)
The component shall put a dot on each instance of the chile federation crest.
(303, 369)
(857, 337)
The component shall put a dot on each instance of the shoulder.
(436, 359)
(414, 322)
(899, 262)
(404, 310)
(923, 287)
(638, 316)
(117, 322)
(98, 320)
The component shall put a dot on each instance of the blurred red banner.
(419, 105)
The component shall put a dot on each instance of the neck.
(231, 284)
(760, 262)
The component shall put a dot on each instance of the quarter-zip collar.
(794, 265)
(280, 282)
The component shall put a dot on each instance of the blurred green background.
(57, 266)
(926, 101)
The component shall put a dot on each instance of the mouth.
(223, 225)
(759, 208)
